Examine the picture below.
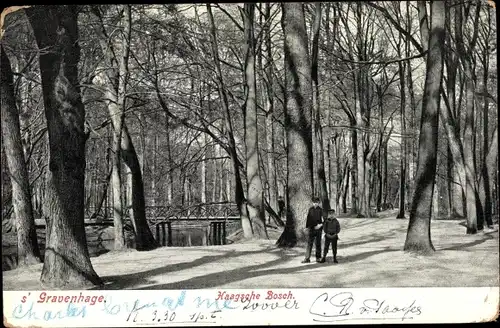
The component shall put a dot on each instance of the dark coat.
(331, 227)
(314, 217)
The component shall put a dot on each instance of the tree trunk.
(116, 183)
(333, 173)
(170, 173)
(345, 189)
(380, 147)
(144, 239)
(27, 242)
(360, 153)
(487, 168)
(254, 184)
(153, 174)
(340, 173)
(418, 238)
(269, 108)
(319, 164)
(67, 261)
(469, 131)
(216, 180)
(451, 121)
(204, 156)
(385, 176)
(402, 176)
(354, 169)
(298, 108)
(239, 193)
(204, 172)
(413, 108)
(116, 87)
(362, 109)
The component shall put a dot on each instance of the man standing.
(313, 226)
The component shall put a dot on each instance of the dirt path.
(370, 255)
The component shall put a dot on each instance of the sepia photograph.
(257, 147)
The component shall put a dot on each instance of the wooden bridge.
(162, 218)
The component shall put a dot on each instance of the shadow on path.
(216, 279)
(125, 281)
(462, 246)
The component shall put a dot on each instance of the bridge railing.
(221, 209)
(169, 223)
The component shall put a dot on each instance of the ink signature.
(343, 306)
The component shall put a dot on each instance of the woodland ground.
(370, 255)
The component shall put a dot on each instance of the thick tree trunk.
(298, 108)
(27, 242)
(254, 184)
(418, 238)
(319, 164)
(471, 187)
(67, 261)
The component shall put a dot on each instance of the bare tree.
(298, 104)
(418, 238)
(254, 184)
(239, 193)
(116, 92)
(67, 261)
(117, 76)
(318, 151)
(27, 242)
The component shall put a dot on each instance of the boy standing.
(313, 226)
(332, 229)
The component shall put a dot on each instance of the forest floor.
(370, 254)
